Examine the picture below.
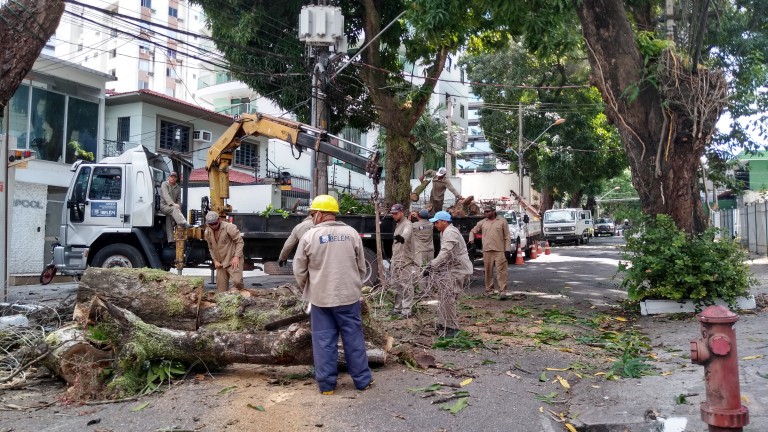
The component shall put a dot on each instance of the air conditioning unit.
(201, 135)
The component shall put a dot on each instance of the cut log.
(71, 355)
(179, 302)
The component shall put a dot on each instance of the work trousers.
(498, 261)
(175, 213)
(403, 279)
(449, 296)
(424, 257)
(437, 205)
(223, 275)
(327, 324)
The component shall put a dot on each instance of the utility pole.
(320, 27)
(449, 144)
(520, 157)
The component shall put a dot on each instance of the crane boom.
(299, 135)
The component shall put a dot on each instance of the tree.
(258, 39)
(29, 24)
(572, 159)
(666, 101)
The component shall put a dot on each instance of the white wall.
(25, 255)
(244, 199)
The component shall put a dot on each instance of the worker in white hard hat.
(226, 246)
(439, 184)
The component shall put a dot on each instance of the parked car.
(605, 226)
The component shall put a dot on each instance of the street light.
(521, 150)
(597, 201)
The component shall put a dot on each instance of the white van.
(568, 225)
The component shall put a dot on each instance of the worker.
(496, 241)
(423, 239)
(439, 184)
(329, 266)
(170, 200)
(451, 268)
(293, 239)
(226, 246)
(403, 263)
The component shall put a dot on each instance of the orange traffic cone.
(534, 254)
(519, 260)
(546, 249)
(538, 247)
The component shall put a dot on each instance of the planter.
(653, 307)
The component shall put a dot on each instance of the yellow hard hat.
(325, 203)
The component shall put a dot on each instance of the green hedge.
(665, 263)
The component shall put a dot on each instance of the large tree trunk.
(179, 302)
(664, 128)
(25, 27)
(401, 155)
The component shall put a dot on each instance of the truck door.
(96, 201)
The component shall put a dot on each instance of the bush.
(666, 263)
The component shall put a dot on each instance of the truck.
(112, 214)
(568, 225)
(524, 226)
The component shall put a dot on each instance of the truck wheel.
(371, 268)
(119, 255)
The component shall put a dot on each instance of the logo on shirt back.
(333, 238)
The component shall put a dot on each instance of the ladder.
(530, 209)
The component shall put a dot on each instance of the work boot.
(370, 384)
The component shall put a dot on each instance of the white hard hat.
(442, 171)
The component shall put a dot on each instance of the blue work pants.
(327, 324)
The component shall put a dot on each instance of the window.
(144, 65)
(143, 85)
(146, 3)
(106, 184)
(461, 110)
(77, 210)
(174, 136)
(113, 53)
(247, 154)
(82, 126)
(46, 135)
(18, 114)
(123, 129)
(171, 53)
(113, 72)
(173, 12)
(239, 106)
(170, 92)
(79, 47)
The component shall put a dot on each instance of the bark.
(401, 155)
(179, 302)
(663, 158)
(29, 24)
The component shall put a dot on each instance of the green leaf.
(256, 407)
(430, 388)
(226, 390)
(458, 406)
(140, 407)
(543, 377)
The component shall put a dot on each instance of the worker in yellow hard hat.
(329, 266)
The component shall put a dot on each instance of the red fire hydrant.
(716, 351)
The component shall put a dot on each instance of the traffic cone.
(534, 254)
(538, 247)
(519, 260)
(546, 249)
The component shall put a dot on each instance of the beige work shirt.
(453, 252)
(439, 185)
(296, 234)
(423, 236)
(403, 253)
(169, 195)
(226, 244)
(329, 264)
(496, 237)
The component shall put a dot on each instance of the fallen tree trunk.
(180, 303)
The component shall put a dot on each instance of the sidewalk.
(629, 405)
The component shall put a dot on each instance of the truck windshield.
(559, 216)
(510, 217)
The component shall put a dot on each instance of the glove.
(282, 263)
(399, 239)
(426, 271)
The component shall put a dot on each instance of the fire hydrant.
(716, 351)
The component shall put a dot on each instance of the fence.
(747, 223)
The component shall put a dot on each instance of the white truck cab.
(568, 225)
(111, 217)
